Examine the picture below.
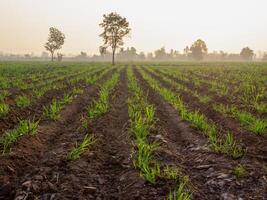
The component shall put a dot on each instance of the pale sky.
(225, 25)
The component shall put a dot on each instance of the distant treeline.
(131, 54)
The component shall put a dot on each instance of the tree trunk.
(113, 57)
(52, 56)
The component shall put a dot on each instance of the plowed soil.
(210, 174)
(255, 144)
(37, 167)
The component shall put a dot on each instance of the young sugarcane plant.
(198, 120)
(79, 149)
(101, 105)
(52, 111)
(180, 193)
(11, 136)
(23, 101)
(4, 109)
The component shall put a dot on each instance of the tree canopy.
(247, 53)
(198, 49)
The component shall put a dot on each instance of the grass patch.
(3, 95)
(226, 145)
(22, 101)
(240, 171)
(101, 105)
(171, 173)
(180, 193)
(253, 124)
(4, 109)
(142, 117)
(230, 147)
(260, 107)
(11, 136)
(52, 111)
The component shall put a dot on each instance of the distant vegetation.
(115, 29)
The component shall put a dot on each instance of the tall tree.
(198, 49)
(115, 29)
(55, 41)
(186, 51)
(150, 56)
(160, 53)
(142, 56)
(247, 53)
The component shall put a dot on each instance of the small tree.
(55, 41)
(115, 29)
(150, 56)
(264, 58)
(198, 49)
(186, 51)
(142, 56)
(161, 54)
(59, 57)
(247, 53)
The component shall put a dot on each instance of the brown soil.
(51, 143)
(14, 92)
(35, 111)
(107, 172)
(203, 89)
(37, 168)
(210, 175)
(256, 145)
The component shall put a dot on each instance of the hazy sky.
(224, 24)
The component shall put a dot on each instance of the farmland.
(173, 131)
